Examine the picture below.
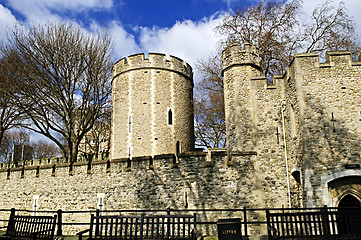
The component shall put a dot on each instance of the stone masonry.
(153, 165)
(152, 106)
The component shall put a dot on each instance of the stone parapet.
(153, 61)
(234, 55)
(332, 59)
(188, 182)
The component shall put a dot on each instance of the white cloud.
(355, 10)
(124, 43)
(7, 22)
(353, 7)
(188, 40)
(40, 11)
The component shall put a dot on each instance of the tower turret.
(239, 66)
(152, 110)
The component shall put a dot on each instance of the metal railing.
(250, 218)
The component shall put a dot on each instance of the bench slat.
(319, 224)
(30, 227)
(142, 227)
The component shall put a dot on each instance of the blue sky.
(183, 28)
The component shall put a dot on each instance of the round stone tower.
(152, 106)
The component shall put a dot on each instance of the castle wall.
(315, 105)
(196, 182)
(152, 106)
(324, 99)
(322, 118)
(253, 122)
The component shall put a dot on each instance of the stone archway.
(348, 221)
(349, 201)
(345, 190)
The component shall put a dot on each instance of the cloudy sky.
(183, 28)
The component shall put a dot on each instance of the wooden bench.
(323, 223)
(141, 227)
(30, 227)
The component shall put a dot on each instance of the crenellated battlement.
(332, 59)
(38, 168)
(153, 61)
(234, 55)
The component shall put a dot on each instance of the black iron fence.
(251, 219)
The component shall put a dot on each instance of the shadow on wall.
(330, 143)
(193, 184)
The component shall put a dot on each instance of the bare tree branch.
(64, 82)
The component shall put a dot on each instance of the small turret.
(234, 56)
(239, 66)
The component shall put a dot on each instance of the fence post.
(325, 223)
(168, 211)
(97, 212)
(12, 212)
(60, 223)
(245, 221)
(268, 224)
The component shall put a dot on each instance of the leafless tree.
(44, 149)
(98, 139)
(209, 105)
(271, 26)
(279, 31)
(64, 81)
(331, 29)
(10, 115)
(10, 139)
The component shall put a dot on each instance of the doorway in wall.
(349, 201)
(349, 219)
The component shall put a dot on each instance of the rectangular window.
(35, 204)
(101, 197)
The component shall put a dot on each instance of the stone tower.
(152, 106)
(254, 126)
(239, 66)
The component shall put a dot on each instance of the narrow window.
(108, 166)
(53, 170)
(333, 120)
(89, 167)
(170, 117)
(278, 136)
(71, 169)
(151, 162)
(37, 171)
(177, 148)
(130, 124)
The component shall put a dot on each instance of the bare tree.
(279, 32)
(64, 81)
(271, 26)
(331, 29)
(209, 105)
(10, 115)
(11, 139)
(44, 149)
(98, 139)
